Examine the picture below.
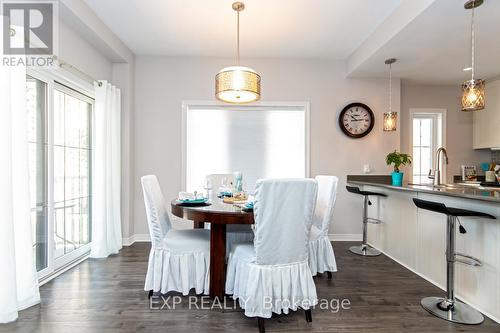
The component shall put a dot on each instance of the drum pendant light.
(473, 98)
(237, 84)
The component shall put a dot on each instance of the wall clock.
(356, 120)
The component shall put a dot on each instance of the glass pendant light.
(473, 89)
(237, 84)
(390, 118)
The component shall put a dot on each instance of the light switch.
(366, 168)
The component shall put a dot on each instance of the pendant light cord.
(238, 37)
(390, 88)
(472, 39)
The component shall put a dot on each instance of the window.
(60, 171)
(426, 137)
(261, 142)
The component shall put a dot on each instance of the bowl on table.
(191, 199)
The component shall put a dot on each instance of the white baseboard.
(127, 241)
(345, 237)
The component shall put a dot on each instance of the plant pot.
(397, 178)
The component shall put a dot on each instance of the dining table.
(218, 214)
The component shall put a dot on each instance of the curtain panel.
(18, 278)
(106, 172)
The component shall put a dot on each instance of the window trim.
(257, 106)
(440, 114)
(63, 80)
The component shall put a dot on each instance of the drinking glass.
(223, 184)
(208, 187)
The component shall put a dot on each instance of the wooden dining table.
(218, 214)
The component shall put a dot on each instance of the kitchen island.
(416, 238)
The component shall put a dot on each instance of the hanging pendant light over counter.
(391, 117)
(237, 84)
(473, 98)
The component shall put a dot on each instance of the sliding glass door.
(72, 114)
(60, 172)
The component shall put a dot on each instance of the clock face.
(356, 120)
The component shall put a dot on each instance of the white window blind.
(261, 143)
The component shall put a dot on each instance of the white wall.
(78, 52)
(458, 123)
(162, 83)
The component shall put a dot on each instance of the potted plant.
(398, 160)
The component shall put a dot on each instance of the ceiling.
(430, 38)
(435, 46)
(268, 28)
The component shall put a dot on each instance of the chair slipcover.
(234, 232)
(179, 259)
(321, 255)
(273, 274)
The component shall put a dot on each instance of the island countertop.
(453, 190)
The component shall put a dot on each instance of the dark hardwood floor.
(107, 296)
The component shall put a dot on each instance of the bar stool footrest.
(467, 260)
(373, 221)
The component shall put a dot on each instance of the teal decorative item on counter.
(485, 166)
(398, 160)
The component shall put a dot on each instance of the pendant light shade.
(237, 84)
(473, 98)
(473, 95)
(390, 118)
(390, 121)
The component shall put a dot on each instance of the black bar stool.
(449, 308)
(364, 249)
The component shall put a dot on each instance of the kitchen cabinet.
(487, 121)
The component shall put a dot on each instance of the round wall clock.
(356, 120)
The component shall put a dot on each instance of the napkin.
(190, 196)
(249, 203)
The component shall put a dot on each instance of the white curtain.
(106, 172)
(18, 277)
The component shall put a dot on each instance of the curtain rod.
(63, 63)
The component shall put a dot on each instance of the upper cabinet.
(487, 121)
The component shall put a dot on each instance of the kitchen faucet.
(437, 172)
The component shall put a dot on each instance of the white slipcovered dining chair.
(234, 232)
(179, 259)
(272, 274)
(321, 255)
